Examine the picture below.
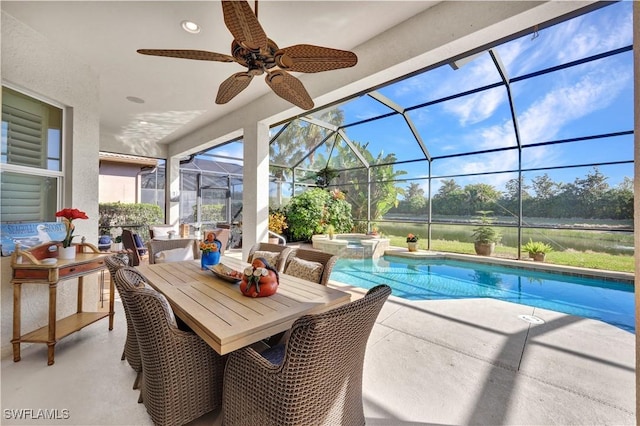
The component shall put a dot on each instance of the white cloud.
(594, 91)
(580, 37)
(477, 107)
(543, 120)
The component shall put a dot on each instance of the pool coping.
(606, 275)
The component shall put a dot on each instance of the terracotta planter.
(412, 246)
(538, 257)
(273, 240)
(484, 249)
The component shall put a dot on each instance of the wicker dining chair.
(124, 283)
(182, 374)
(314, 378)
(283, 253)
(326, 259)
(115, 262)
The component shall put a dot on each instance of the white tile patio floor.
(430, 362)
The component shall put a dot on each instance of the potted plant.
(412, 242)
(485, 236)
(277, 224)
(116, 235)
(537, 250)
(68, 215)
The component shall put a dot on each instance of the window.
(31, 158)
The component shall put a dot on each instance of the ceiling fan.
(251, 48)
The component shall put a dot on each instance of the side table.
(31, 267)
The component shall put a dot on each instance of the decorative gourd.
(260, 279)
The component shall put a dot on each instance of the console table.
(32, 267)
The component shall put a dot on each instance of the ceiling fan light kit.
(252, 49)
(190, 27)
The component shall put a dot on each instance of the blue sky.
(588, 99)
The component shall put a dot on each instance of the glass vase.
(208, 259)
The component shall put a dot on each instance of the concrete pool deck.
(522, 263)
(438, 362)
(476, 361)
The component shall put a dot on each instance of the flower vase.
(209, 258)
(412, 246)
(68, 253)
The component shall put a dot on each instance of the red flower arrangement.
(68, 216)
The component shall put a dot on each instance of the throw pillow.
(305, 269)
(139, 244)
(175, 255)
(270, 256)
(163, 230)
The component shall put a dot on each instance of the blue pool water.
(425, 279)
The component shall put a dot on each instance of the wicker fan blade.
(232, 86)
(289, 88)
(201, 55)
(309, 58)
(244, 25)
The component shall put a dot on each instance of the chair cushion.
(174, 255)
(139, 244)
(305, 269)
(275, 354)
(270, 256)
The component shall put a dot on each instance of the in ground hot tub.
(351, 246)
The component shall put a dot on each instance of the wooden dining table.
(221, 315)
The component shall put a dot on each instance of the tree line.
(589, 197)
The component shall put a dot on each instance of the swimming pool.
(437, 278)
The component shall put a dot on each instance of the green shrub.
(121, 214)
(136, 216)
(310, 212)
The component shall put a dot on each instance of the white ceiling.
(391, 39)
(179, 94)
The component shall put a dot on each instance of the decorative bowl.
(223, 272)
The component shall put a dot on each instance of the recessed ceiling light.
(190, 27)
(135, 99)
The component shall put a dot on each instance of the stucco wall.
(32, 64)
(119, 182)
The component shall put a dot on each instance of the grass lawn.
(586, 259)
